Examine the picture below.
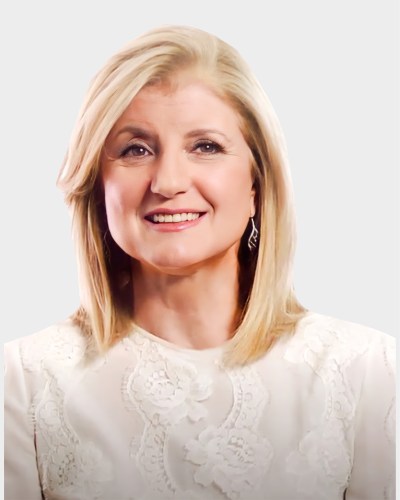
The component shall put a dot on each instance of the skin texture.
(180, 149)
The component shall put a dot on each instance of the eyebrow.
(145, 134)
(136, 131)
(202, 131)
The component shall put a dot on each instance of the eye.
(137, 150)
(208, 147)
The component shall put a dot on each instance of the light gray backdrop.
(330, 70)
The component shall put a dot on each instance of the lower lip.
(171, 227)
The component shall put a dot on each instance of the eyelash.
(217, 148)
(128, 151)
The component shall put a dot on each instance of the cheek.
(114, 198)
(122, 202)
(121, 194)
(233, 190)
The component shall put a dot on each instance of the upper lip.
(172, 211)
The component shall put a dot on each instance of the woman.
(190, 370)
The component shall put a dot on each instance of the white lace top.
(313, 419)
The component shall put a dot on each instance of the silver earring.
(253, 238)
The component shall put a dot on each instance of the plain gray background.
(330, 70)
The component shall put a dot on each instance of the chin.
(175, 264)
(180, 261)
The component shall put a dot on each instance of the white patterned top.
(314, 418)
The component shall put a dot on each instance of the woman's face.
(177, 179)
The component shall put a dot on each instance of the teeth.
(175, 217)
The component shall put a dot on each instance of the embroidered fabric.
(232, 456)
(150, 421)
(66, 465)
(163, 393)
(324, 455)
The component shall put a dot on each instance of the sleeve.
(374, 471)
(21, 479)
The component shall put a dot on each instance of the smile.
(181, 217)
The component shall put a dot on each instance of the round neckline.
(187, 351)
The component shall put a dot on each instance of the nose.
(170, 175)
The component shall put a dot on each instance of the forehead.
(185, 101)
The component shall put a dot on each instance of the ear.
(253, 202)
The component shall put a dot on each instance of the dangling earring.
(253, 238)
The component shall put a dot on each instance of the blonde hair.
(269, 304)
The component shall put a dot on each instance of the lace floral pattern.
(233, 456)
(322, 462)
(58, 348)
(168, 393)
(186, 427)
(66, 465)
(164, 393)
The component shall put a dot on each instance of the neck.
(196, 310)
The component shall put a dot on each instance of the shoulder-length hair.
(267, 299)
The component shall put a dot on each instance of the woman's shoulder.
(314, 322)
(321, 337)
(62, 343)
